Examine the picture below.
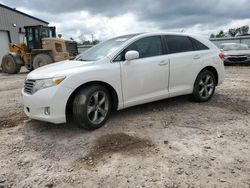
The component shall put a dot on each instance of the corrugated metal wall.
(241, 39)
(9, 17)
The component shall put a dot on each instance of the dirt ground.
(169, 143)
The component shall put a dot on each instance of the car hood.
(237, 52)
(62, 68)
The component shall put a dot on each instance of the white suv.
(122, 72)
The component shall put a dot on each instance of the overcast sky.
(108, 18)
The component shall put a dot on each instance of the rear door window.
(178, 44)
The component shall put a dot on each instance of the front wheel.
(41, 60)
(204, 86)
(91, 107)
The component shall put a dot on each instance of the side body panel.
(145, 80)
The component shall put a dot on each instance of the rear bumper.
(47, 104)
(221, 74)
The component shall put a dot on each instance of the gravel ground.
(169, 143)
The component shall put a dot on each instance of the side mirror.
(130, 55)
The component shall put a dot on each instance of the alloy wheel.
(98, 106)
(206, 86)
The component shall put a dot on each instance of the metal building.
(12, 24)
(238, 39)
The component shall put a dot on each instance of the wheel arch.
(112, 91)
(213, 70)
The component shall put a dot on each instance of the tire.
(204, 86)
(41, 60)
(91, 107)
(9, 65)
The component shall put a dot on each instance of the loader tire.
(9, 65)
(41, 60)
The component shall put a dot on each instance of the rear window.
(177, 44)
(198, 45)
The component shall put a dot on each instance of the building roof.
(19, 12)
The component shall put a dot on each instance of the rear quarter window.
(198, 45)
(178, 44)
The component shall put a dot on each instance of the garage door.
(4, 44)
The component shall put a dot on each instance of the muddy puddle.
(110, 144)
(12, 120)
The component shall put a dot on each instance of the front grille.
(28, 86)
(237, 59)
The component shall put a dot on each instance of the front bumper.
(53, 98)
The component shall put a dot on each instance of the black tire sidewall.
(44, 57)
(15, 68)
(80, 107)
(196, 96)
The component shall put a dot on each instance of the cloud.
(76, 23)
(107, 18)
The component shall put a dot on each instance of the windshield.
(103, 49)
(230, 47)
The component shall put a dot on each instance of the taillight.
(222, 56)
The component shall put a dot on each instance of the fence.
(239, 39)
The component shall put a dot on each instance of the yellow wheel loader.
(41, 48)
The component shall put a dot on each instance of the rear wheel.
(9, 64)
(41, 60)
(204, 86)
(91, 107)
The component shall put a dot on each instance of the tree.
(212, 36)
(82, 38)
(243, 30)
(220, 34)
(232, 32)
(95, 42)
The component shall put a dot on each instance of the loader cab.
(34, 35)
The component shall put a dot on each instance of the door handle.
(197, 57)
(163, 63)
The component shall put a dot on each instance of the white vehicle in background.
(122, 72)
(235, 53)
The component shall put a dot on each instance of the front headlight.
(45, 83)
